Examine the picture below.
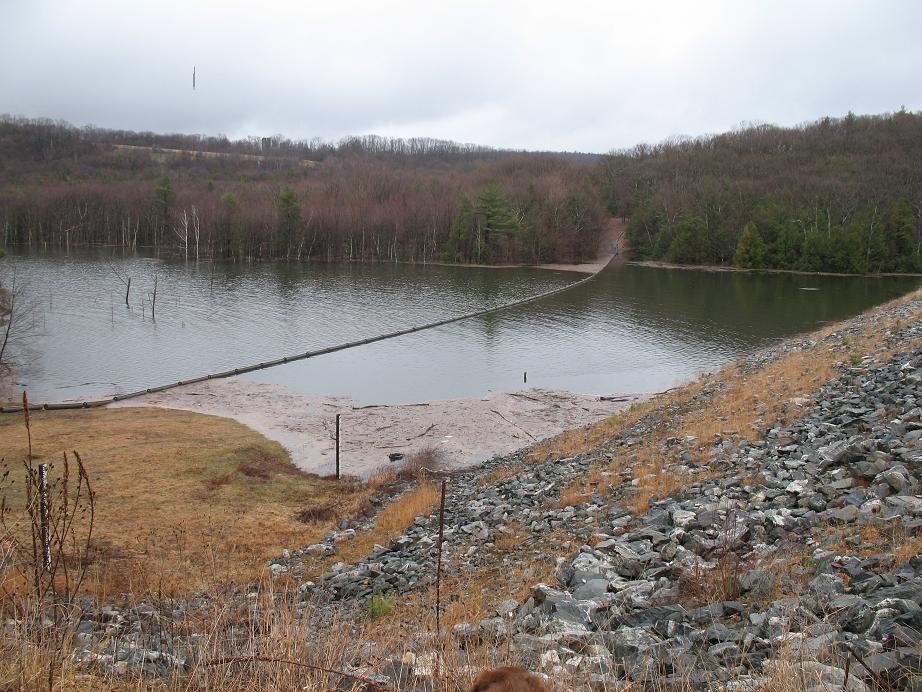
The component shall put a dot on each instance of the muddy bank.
(467, 431)
(719, 268)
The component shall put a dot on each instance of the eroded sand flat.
(467, 431)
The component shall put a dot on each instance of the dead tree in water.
(126, 281)
(153, 300)
(196, 229)
(183, 227)
(181, 230)
(10, 310)
(16, 309)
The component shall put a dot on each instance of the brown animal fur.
(508, 679)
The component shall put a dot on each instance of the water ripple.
(631, 329)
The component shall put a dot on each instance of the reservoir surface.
(631, 329)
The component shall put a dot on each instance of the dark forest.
(362, 199)
(838, 195)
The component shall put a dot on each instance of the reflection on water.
(631, 329)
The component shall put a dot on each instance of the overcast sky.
(566, 75)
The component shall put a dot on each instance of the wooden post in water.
(43, 510)
(525, 377)
(337, 446)
(127, 291)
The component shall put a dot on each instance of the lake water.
(631, 329)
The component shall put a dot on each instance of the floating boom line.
(55, 406)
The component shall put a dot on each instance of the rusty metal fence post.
(438, 565)
(43, 509)
(337, 446)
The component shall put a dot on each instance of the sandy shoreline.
(582, 268)
(467, 431)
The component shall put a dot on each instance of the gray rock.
(827, 585)
(593, 589)
(682, 518)
(845, 514)
(628, 642)
(507, 608)
(759, 583)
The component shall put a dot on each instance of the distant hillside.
(842, 195)
(363, 198)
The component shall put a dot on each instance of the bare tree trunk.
(9, 324)
(183, 234)
(153, 300)
(196, 229)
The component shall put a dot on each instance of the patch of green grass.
(380, 605)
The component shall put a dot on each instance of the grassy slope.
(183, 500)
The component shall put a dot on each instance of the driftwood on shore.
(463, 430)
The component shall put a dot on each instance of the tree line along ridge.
(839, 194)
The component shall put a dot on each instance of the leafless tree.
(17, 318)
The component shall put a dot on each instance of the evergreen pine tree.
(495, 223)
(750, 249)
(289, 218)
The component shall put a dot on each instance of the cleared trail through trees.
(52, 406)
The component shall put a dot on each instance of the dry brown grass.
(498, 475)
(699, 586)
(600, 479)
(652, 482)
(474, 595)
(184, 501)
(510, 539)
(572, 495)
(905, 549)
(877, 539)
(280, 637)
(421, 464)
(393, 520)
(589, 437)
(401, 513)
(25, 667)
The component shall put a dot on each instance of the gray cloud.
(584, 76)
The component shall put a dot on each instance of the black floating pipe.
(301, 356)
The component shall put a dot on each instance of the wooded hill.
(364, 198)
(840, 195)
